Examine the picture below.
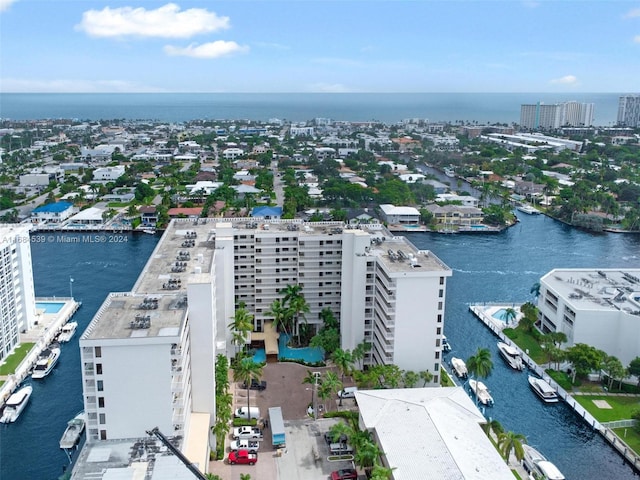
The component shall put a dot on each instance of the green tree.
(311, 379)
(510, 315)
(426, 376)
(480, 364)
(584, 358)
(360, 352)
(344, 361)
(614, 368)
(493, 426)
(634, 368)
(380, 472)
(245, 370)
(410, 378)
(241, 325)
(281, 316)
(510, 441)
(329, 387)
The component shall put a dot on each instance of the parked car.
(349, 392)
(256, 384)
(245, 444)
(340, 449)
(247, 432)
(243, 457)
(329, 438)
(242, 412)
(344, 474)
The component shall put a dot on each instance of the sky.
(265, 46)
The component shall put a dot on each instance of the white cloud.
(216, 49)
(328, 88)
(566, 80)
(167, 21)
(633, 13)
(636, 39)
(5, 4)
(19, 85)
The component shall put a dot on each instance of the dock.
(48, 326)
(483, 312)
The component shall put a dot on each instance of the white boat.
(459, 367)
(543, 389)
(536, 464)
(446, 346)
(67, 331)
(511, 356)
(528, 209)
(74, 430)
(449, 172)
(15, 404)
(45, 362)
(482, 392)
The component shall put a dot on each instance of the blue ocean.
(297, 107)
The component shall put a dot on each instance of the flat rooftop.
(399, 255)
(605, 289)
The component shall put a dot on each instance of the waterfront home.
(455, 215)
(399, 216)
(53, 212)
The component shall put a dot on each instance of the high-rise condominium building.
(148, 355)
(543, 116)
(629, 111)
(17, 297)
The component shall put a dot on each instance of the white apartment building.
(629, 110)
(598, 307)
(108, 174)
(556, 115)
(17, 296)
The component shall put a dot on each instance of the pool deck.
(47, 327)
(485, 312)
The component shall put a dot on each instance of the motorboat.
(528, 209)
(446, 346)
(511, 355)
(45, 362)
(542, 388)
(536, 464)
(15, 404)
(481, 392)
(67, 331)
(449, 172)
(74, 430)
(459, 367)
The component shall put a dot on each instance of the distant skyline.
(334, 46)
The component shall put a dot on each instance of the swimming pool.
(502, 315)
(306, 354)
(50, 307)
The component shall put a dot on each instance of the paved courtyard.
(305, 457)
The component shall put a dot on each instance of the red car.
(244, 457)
(344, 474)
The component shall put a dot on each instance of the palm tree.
(295, 302)
(367, 454)
(535, 290)
(343, 360)
(510, 441)
(331, 384)
(280, 316)
(480, 364)
(510, 315)
(359, 353)
(426, 376)
(312, 379)
(245, 370)
(241, 325)
(410, 378)
(380, 472)
(493, 426)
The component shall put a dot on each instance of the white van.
(349, 392)
(254, 412)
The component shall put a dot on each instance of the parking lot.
(305, 456)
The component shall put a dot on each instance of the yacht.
(446, 346)
(482, 392)
(511, 355)
(45, 362)
(449, 172)
(15, 404)
(543, 389)
(74, 430)
(459, 367)
(528, 209)
(67, 331)
(536, 464)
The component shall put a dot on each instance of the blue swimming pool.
(306, 354)
(259, 356)
(50, 307)
(501, 315)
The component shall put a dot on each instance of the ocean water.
(297, 107)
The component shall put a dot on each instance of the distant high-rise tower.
(17, 297)
(629, 111)
(556, 115)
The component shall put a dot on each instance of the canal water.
(503, 268)
(487, 268)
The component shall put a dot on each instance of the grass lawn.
(622, 408)
(515, 474)
(526, 341)
(445, 381)
(12, 361)
(630, 437)
(117, 204)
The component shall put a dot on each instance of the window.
(102, 419)
(440, 293)
(439, 305)
(100, 385)
(437, 355)
(438, 330)
(441, 280)
(98, 352)
(439, 318)
(101, 402)
(99, 368)
(436, 367)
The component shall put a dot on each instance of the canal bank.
(483, 313)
